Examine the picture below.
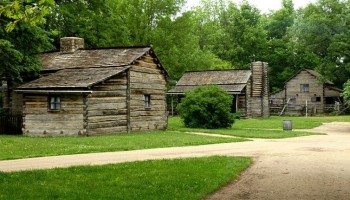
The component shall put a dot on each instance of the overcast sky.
(263, 5)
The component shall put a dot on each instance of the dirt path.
(312, 167)
(316, 167)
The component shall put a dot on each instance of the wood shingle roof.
(87, 58)
(74, 78)
(233, 81)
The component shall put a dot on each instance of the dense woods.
(218, 34)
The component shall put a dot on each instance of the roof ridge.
(219, 70)
(101, 48)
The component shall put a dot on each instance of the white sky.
(264, 5)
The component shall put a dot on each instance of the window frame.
(147, 101)
(54, 103)
(305, 88)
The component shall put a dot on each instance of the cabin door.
(234, 104)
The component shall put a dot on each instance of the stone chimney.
(71, 44)
(259, 91)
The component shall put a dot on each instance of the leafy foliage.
(206, 107)
(346, 93)
(21, 36)
(218, 34)
(27, 11)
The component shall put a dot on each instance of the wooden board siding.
(16, 101)
(242, 105)
(329, 92)
(298, 102)
(146, 79)
(258, 91)
(106, 109)
(38, 121)
(277, 101)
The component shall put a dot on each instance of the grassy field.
(275, 122)
(263, 127)
(192, 178)
(12, 147)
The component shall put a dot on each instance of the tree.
(320, 39)
(233, 33)
(27, 11)
(21, 36)
(346, 93)
(279, 54)
(206, 107)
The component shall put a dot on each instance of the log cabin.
(93, 92)
(305, 93)
(250, 88)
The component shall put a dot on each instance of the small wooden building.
(94, 91)
(250, 88)
(305, 92)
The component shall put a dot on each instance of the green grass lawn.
(263, 127)
(13, 147)
(192, 178)
(275, 122)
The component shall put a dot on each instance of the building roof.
(233, 81)
(313, 73)
(102, 57)
(73, 78)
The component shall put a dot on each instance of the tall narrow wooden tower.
(258, 91)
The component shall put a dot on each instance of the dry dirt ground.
(312, 167)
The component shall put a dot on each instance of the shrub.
(346, 93)
(206, 107)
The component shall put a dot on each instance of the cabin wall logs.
(39, 121)
(106, 110)
(258, 91)
(146, 79)
(314, 94)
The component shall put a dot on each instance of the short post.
(306, 110)
(287, 125)
(172, 105)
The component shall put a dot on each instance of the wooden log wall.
(38, 121)
(106, 107)
(258, 91)
(293, 91)
(329, 92)
(146, 78)
(257, 80)
(242, 106)
(16, 102)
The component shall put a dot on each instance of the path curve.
(311, 167)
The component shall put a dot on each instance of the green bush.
(206, 107)
(346, 93)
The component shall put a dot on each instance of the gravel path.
(312, 167)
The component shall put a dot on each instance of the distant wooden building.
(250, 88)
(93, 92)
(304, 92)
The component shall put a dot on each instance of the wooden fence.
(11, 123)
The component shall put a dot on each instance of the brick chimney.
(71, 44)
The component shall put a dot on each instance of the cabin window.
(315, 99)
(304, 87)
(147, 99)
(54, 103)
